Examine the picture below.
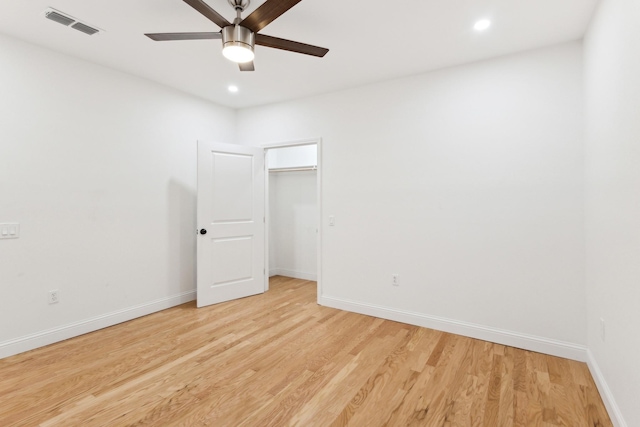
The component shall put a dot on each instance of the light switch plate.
(9, 231)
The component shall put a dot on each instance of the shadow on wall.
(181, 226)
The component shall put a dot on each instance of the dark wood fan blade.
(267, 13)
(247, 66)
(161, 37)
(209, 13)
(291, 46)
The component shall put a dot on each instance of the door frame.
(318, 143)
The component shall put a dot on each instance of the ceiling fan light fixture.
(238, 53)
(240, 37)
(238, 43)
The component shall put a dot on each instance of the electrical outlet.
(395, 279)
(602, 330)
(54, 296)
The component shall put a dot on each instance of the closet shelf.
(296, 169)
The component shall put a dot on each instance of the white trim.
(296, 143)
(267, 217)
(319, 174)
(61, 333)
(294, 274)
(605, 392)
(500, 336)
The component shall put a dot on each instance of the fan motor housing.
(237, 35)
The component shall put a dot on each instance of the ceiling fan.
(240, 37)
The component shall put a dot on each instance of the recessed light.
(482, 25)
(233, 89)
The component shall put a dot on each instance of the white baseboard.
(50, 336)
(294, 274)
(500, 336)
(605, 392)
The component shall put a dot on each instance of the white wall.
(99, 168)
(612, 78)
(293, 157)
(467, 182)
(293, 219)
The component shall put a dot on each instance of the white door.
(231, 227)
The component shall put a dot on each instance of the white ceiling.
(369, 40)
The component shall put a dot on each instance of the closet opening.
(293, 212)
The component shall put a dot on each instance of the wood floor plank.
(327, 404)
(381, 386)
(507, 402)
(279, 359)
(334, 357)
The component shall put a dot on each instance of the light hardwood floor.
(279, 359)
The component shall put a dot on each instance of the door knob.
(203, 231)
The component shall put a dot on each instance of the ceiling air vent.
(67, 20)
(85, 28)
(59, 18)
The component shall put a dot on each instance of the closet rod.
(304, 168)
